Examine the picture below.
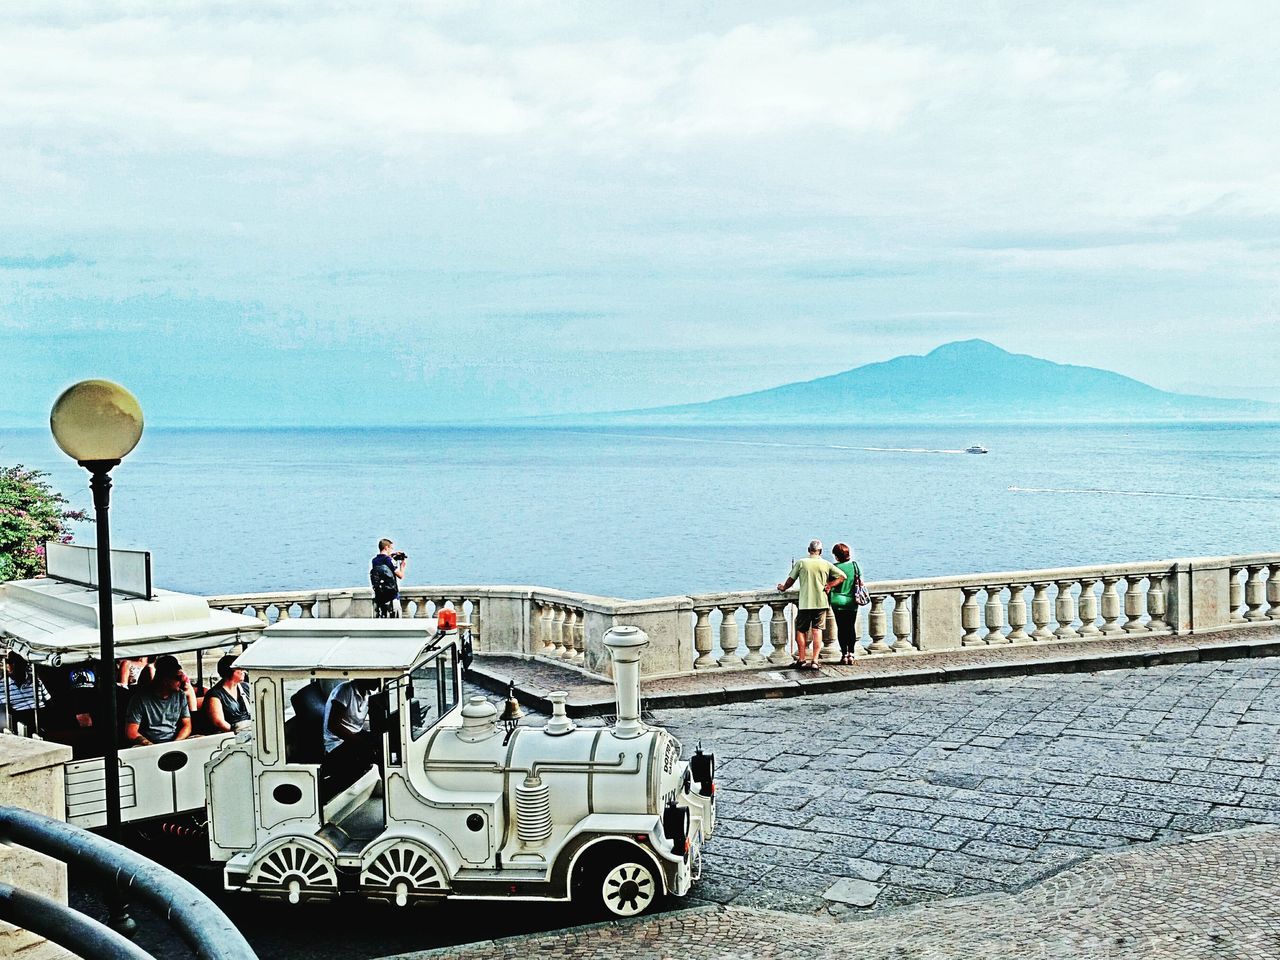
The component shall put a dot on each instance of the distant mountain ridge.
(963, 380)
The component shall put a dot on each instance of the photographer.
(385, 575)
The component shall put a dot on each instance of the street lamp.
(97, 423)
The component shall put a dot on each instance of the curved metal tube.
(206, 929)
(60, 924)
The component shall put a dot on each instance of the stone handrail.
(752, 628)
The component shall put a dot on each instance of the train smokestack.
(625, 645)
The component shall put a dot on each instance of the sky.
(346, 213)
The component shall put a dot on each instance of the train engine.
(458, 800)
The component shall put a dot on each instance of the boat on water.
(976, 448)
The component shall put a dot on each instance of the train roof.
(49, 620)
(340, 646)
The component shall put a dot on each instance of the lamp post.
(97, 423)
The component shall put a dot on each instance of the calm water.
(650, 512)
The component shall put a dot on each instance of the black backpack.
(383, 580)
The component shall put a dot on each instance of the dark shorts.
(811, 620)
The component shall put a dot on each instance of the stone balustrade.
(752, 629)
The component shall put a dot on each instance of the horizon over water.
(640, 512)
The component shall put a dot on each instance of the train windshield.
(433, 691)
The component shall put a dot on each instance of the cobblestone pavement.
(1212, 898)
(963, 788)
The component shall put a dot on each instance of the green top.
(842, 596)
(812, 573)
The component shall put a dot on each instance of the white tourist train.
(464, 802)
(465, 805)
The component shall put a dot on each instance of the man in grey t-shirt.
(158, 711)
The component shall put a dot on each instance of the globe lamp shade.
(96, 420)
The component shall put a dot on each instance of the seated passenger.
(159, 712)
(350, 747)
(21, 691)
(226, 705)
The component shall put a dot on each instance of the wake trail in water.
(757, 443)
(1143, 493)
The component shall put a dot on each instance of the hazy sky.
(280, 212)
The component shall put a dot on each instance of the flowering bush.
(31, 513)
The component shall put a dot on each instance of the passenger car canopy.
(53, 621)
(371, 647)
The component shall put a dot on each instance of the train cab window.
(448, 680)
(435, 691)
(424, 703)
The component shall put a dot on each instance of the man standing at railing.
(816, 577)
(385, 574)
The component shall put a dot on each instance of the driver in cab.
(350, 746)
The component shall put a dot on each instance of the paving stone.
(855, 893)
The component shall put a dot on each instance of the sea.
(649, 512)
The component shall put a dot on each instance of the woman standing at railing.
(842, 602)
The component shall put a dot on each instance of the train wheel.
(626, 889)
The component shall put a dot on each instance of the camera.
(400, 557)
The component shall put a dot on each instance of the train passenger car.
(52, 624)
(458, 804)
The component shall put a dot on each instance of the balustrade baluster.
(546, 623)
(282, 611)
(1133, 604)
(306, 609)
(475, 620)
(902, 623)
(971, 618)
(1273, 592)
(830, 652)
(779, 655)
(993, 613)
(702, 639)
(877, 625)
(420, 608)
(1041, 612)
(1111, 608)
(1255, 592)
(1018, 613)
(563, 641)
(754, 635)
(1235, 595)
(729, 636)
(260, 613)
(578, 633)
(1089, 609)
(1156, 603)
(1066, 611)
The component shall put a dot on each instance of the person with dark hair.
(843, 607)
(159, 711)
(226, 705)
(385, 573)
(21, 691)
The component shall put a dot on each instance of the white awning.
(51, 621)
(340, 647)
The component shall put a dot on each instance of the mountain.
(964, 380)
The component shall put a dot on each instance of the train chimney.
(625, 645)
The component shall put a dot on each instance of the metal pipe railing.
(206, 929)
(60, 924)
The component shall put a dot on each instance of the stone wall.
(31, 777)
